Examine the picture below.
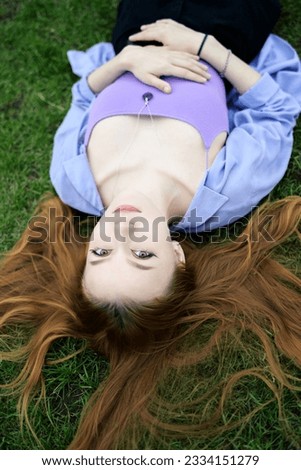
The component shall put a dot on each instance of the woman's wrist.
(195, 42)
(127, 57)
(106, 74)
(236, 71)
(214, 53)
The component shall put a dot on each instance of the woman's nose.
(124, 229)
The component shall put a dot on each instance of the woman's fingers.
(193, 61)
(150, 32)
(189, 63)
(152, 80)
(145, 35)
(163, 21)
(175, 71)
(167, 20)
(160, 61)
(170, 33)
(188, 74)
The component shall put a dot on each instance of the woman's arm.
(149, 64)
(178, 37)
(253, 161)
(238, 73)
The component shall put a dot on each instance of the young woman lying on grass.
(155, 146)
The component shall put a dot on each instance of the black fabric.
(240, 25)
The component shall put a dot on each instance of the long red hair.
(232, 296)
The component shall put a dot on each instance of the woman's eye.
(101, 252)
(142, 254)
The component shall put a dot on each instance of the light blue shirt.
(253, 160)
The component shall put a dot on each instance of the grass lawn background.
(35, 81)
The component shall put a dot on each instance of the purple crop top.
(201, 105)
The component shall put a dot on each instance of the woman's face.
(130, 254)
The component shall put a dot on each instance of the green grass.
(35, 94)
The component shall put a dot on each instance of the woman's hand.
(178, 37)
(149, 63)
(171, 34)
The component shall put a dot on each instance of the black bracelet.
(202, 45)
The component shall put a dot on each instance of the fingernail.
(166, 89)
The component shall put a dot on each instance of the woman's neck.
(167, 196)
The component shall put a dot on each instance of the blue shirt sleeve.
(259, 145)
(69, 170)
(257, 151)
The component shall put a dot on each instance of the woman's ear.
(179, 252)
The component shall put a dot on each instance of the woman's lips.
(126, 208)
